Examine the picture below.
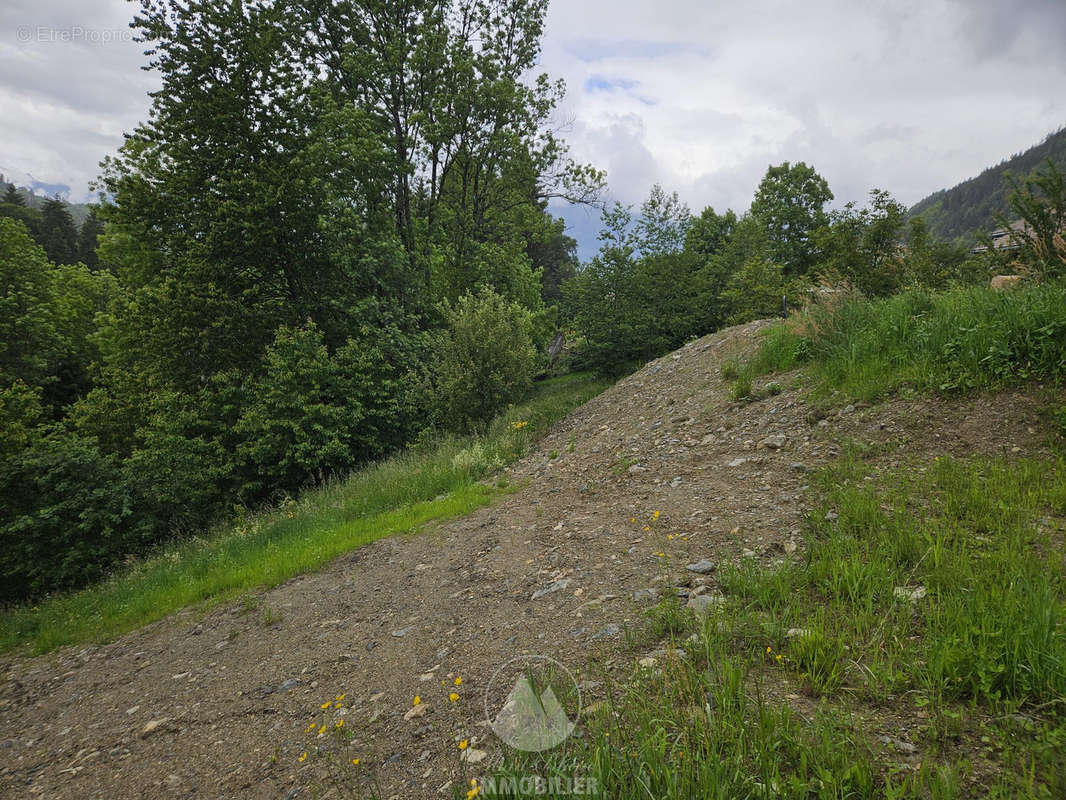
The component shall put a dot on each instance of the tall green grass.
(957, 340)
(930, 607)
(433, 481)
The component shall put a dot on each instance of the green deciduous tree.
(1039, 200)
(485, 358)
(790, 202)
(862, 245)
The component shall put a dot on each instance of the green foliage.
(933, 264)
(88, 239)
(958, 340)
(12, 196)
(396, 494)
(64, 515)
(637, 298)
(295, 431)
(279, 234)
(46, 318)
(1040, 202)
(790, 203)
(861, 246)
(58, 236)
(485, 359)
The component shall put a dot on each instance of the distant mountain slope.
(972, 206)
(34, 195)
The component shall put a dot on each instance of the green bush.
(485, 359)
(65, 515)
(298, 426)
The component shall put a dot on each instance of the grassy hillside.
(972, 206)
(396, 495)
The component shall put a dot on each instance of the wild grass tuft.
(957, 340)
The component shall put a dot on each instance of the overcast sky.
(697, 95)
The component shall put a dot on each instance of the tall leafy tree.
(862, 245)
(444, 85)
(88, 238)
(790, 201)
(12, 196)
(554, 253)
(58, 235)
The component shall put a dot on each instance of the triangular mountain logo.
(531, 723)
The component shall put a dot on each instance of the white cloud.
(912, 96)
(698, 95)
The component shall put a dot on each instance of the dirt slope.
(218, 706)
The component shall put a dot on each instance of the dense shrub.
(485, 360)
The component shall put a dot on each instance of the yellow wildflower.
(647, 527)
(418, 700)
(311, 727)
(325, 705)
(463, 744)
(340, 723)
(655, 515)
(355, 762)
(340, 697)
(459, 681)
(302, 758)
(322, 730)
(453, 697)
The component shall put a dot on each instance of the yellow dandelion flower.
(769, 649)
(340, 723)
(325, 705)
(473, 793)
(302, 758)
(459, 680)
(453, 697)
(647, 527)
(633, 520)
(463, 744)
(669, 537)
(340, 697)
(310, 727)
(418, 700)
(778, 656)
(321, 730)
(655, 515)
(355, 762)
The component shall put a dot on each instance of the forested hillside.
(973, 206)
(328, 238)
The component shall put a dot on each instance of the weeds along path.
(661, 471)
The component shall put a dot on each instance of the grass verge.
(958, 340)
(916, 649)
(433, 481)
